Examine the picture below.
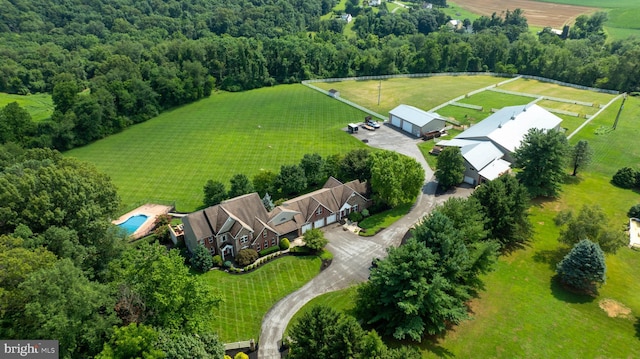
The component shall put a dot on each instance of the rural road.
(352, 254)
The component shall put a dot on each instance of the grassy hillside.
(169, 158)
(523, 313)
(39, 106)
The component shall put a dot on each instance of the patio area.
(151, 211)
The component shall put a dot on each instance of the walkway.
(353, 254)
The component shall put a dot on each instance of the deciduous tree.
(314, 239)
(584, 267)
(395, 179)
(214, 193)
(263, 182)
(591, 223)
(542, 156)
(133, 341)
(240, 185)
(450, 167)
(355, 165)
(313, 167)
(291, 180)
(178, 345)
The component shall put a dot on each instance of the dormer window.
(319, 211)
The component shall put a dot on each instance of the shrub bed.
(266, 252)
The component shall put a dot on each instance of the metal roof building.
(415, 121)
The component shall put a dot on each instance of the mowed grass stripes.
(170, 158)
(248, 297)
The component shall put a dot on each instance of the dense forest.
(112, 64)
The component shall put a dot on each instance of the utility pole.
(624, 98)
(379, 88)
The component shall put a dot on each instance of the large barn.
(415, 121)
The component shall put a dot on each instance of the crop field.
(424, 92)
(248, 297)
(523, 313)
(39, 106)
(538, 14)
(169, 158)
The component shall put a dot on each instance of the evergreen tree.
(201, 259)
(240, 185)
(267, 202)
(584, 267)
(214, 193)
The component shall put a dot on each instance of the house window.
(273, 241)
(212, 251)
(244, 239)
(355, 208)
(264, 234)
(210, 239)
(319, 211)
(266, 244)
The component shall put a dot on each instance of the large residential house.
(243, 222)
(488, 146)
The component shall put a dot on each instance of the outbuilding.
(415, 121)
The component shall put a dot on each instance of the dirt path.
(537, 13)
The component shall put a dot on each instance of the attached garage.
(415, 121)
(331, 219)
(319, 223)
(306, 227)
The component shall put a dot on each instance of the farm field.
(423, 92)
(39, 106)
(248, 297)
(538, 14)
(523, 312)
(169, 158)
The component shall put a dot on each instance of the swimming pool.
(133, 223)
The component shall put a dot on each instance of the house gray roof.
(508, 126)
(494, 169)
(414, 115)
(480, 154)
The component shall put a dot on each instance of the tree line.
(109, 66)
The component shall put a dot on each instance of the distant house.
(455, 24)
(346, 17)
(415, 121)
(488, 146)
(375, 2)
(243, 222)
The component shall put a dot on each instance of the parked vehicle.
(372, 123)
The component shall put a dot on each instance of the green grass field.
(523, 313)
(248, 297)
(496, 100)
(545, 88)
(379, 221)
(457, 12)
(424, 93)
(169, 158)
(39, 106)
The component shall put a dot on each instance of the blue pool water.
(133, 223)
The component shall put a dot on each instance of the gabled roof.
(495, 169)
(480, 154)
(508, 126)
(414, 115)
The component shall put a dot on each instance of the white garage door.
(306, 227)
(331, 218)
(395, 121)
(407, 126)
(319, 223)
(469, 180)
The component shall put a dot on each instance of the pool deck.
(151, 211)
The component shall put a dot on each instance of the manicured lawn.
(424, 93)
(582, 110)
(248, 297)
(39, 106)
(463, 115)
(379, 221)
(545, 88)
(170, 158)
(497, 100)
(342, 300)
(453, 10)
(523, 313)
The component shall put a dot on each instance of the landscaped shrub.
(626, 177)
(162, 233)
(217, 261)
(241, 355)
(300, 250)
(246, 256)
(314, 239)
(284, 244)
(355, 216)
(365, 213)
(162, 220)
(634, 212)
(201, 259)
(267, 251)
(228, 264)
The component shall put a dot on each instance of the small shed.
(334, 93)
(352, 128)
(415, 121)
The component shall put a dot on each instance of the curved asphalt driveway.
(352, 254)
